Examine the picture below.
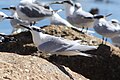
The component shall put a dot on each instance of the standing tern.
(105, 28)
(16, 20)
(56, 19)
(82, 18)
(76, 15)
(116, 40)
(50, 45)
(32, 12)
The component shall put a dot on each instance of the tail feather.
(86, 55)
(73, 53)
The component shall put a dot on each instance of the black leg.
(86, 30)
(31, 23)
(105, 40)
(82, 29)
(102, 39)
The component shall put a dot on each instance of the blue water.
(105, 8)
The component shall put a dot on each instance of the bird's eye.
(113, 22)
(13, 8)
(38, 30)
(47, 7)
(2, 16)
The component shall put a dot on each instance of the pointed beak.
(24, 26)
(108, 15)
(5, 8)
(9, 17)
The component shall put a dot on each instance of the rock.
(18, 67)
(105, 65)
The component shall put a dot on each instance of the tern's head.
(31, 28)
(4, 16)
(46, 7)
(69, 2)
(78, 5)
(114, 21)
(101, 16)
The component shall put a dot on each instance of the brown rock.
(105, 65)
(18, 67)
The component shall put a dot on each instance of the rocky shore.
(19, 61)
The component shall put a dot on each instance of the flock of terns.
(28, 12)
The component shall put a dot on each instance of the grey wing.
(57, 45)
(34, 10)
(106, 29)
(53, 46)
(81, 48)
(84, 14)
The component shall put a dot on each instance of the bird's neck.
(69, 10)
(38, 37)
(101, 21)
(13, 13)
(55, 15)
(78, 9)
(96, 22)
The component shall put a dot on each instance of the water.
(105, 8)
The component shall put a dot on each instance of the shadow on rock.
(106, 66)
(22, 45)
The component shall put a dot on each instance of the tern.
(50, 45)
(56, 19)
(76, 15)
(16, 20)
(105, 27)
(116, 40)
(32, 12)
(83, 18)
